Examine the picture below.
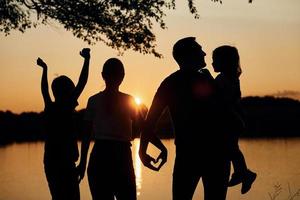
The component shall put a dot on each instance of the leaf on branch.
(120, 24)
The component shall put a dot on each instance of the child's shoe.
(247, 181)
(236, 178)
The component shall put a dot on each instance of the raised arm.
(85, 145)
(44, 82)
(85, 53)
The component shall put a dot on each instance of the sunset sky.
(266, 32)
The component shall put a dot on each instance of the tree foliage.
(120, 24)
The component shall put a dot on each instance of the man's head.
(189, 54)
(113, 72)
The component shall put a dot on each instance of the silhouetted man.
(189, 94)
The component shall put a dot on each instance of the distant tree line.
(29, 126)
(265, 117)
(271, 117)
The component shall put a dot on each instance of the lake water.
(276, 161)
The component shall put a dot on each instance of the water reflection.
(277, 161)
(137, 166)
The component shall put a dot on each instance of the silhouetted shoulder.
(92, 105)
(172, 77)
(167, 87)
(170, 80)
(126, 96)
(96, 96)
(128, 100)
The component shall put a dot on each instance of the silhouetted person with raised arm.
(226, 62)
(61, 151)
(110, 117)
(189, 94)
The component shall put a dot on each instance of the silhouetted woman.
(110, 116)
(61, 151)
(226, 61)
(111, 113)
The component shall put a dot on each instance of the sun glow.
(138, 100)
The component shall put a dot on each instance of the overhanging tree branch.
(120, 24)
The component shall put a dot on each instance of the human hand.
(81, 171)
(163, 156)
(41, 63)
(148, 161)
(85, 53)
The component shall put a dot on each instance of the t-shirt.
(112, 115)
(61, 140)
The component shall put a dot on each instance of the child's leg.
(62, 181)
(238, 161)
(241, 173)
(70, 183)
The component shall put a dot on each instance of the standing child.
(110, 116)
(226, 61)
(61, 151)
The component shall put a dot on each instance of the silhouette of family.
(206, 113)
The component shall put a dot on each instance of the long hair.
(62, 86)
(229, 59)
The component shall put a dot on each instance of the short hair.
(113, 68)
(183, 48)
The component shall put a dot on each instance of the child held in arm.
(61, 151)
(226, 62)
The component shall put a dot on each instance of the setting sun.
(138, 100)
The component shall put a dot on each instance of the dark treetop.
(120, 24)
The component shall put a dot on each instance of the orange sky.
(267, 34)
